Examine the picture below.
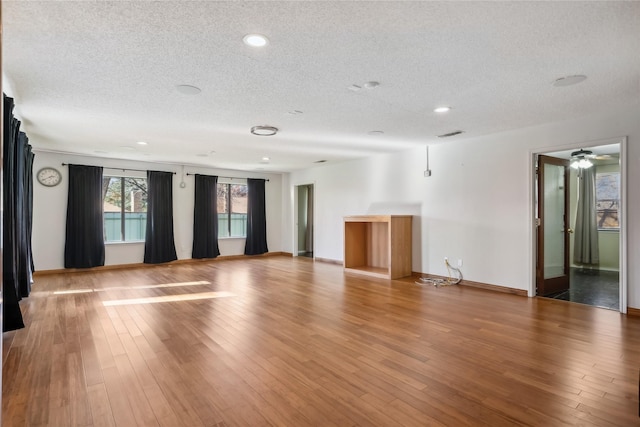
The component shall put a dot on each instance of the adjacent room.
(319, 213)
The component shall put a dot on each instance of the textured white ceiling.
(95, 77)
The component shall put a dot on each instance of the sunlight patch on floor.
(164, 285)
(168, 298)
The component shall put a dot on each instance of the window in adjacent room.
(232, 210)
(125, 208)
(608, 200)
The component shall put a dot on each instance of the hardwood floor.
(286, 341)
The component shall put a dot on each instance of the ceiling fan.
(581, 159)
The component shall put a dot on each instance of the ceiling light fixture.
(580, 160)
(265, 159)
(255, 40)
(442, 109)
(569, 80)
(188, 89)
(141, 143)
(264, 130)
(371, 85)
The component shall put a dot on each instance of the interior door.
(552, 273)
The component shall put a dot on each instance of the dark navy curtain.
(256, 242)
(17, 214)
(205, 218)
(84, 243)
(159, 243)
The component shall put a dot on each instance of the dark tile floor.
(599, 288)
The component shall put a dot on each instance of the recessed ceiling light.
(188, 89)
(264, 130)
(255, 40)
(265, 159)
(141, 143)
(354, 88)
(569, 80)
(320, 161)
(371, 85)
(294, 112)
(375, 132)
(442, 109)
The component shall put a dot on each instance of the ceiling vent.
(454, 133)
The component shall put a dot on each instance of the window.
(608, 200)
(232, 210)
(125, 208)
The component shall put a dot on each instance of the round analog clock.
(49, 177)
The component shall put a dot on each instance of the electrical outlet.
(460, 263)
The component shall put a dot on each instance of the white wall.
(476, 206)
(50, 208)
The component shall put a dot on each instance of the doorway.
(305, 220)
(591, 236)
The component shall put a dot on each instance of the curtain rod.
(226, 177)
(121, 169)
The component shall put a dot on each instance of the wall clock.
(49, 177)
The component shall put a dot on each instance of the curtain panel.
(84, 243)
(205, 217)
(256, 242)
(585, 245)
(17, 215)
(159, 245)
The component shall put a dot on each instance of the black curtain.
(159, 244)
(29, 207)
(17, 212)
(256, 242)
(205, 218)
(84, 243)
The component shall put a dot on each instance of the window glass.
(238, 224)
(608, 200)
(232, 210)
(125, 208)
(223, 210)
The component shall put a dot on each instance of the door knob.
(570, 230)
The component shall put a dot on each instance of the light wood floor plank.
(302, 344)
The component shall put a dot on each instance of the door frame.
(622, 213)
(295, 216)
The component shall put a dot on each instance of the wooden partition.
(378, 245)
